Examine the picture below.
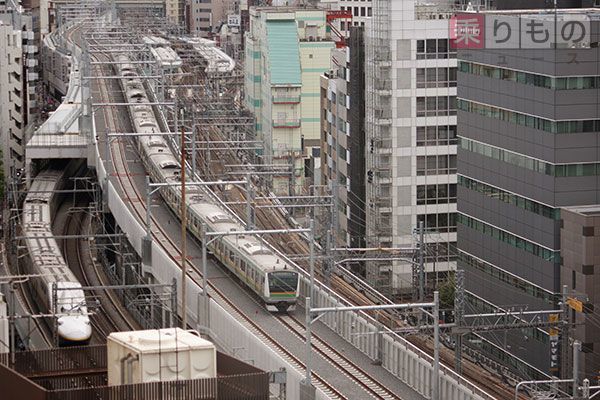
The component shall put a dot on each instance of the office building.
(205, 15)
(410, 137)
(343, 139)
(528, 123)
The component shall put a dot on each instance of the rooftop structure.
(159, 355)
(82, 372)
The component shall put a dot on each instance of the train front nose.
(74, 331)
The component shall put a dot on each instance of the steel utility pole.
(183, 232)
(459, 312)
(421, 262)
(249, 202)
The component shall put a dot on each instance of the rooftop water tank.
(159, 355)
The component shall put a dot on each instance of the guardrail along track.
(339, 361)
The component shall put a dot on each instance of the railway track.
(273, 218)
(138, 205)
(299, 246)
(108, 316)
(340, 362)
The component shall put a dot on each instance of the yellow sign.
(553, 318)
(575, 304)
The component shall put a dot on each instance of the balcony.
(290, 99)
(383, 176)
(383, 87)
(383, 121)
(287, 123)
(383, 147)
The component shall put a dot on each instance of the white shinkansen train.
(45, 258)
(255, 264)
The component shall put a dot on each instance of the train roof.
(199, 200)
(250, 246)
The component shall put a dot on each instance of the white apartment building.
(361, 11)
(410, 136)
(18, 81)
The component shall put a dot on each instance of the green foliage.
(447, 290)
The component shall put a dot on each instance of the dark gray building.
(529, 123)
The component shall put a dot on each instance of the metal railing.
(79, 373)
(236, 387)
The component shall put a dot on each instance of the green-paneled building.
(286, 52)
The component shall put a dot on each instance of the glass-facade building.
(529, 144)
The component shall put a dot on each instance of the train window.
(283, 281)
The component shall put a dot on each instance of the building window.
(580, 126)
(436, 77)
(341, 152)
(545, 81)
(444, 222)
(436, 194)
(509, 198)
(509, 238)
(436, 165)
(436, 106)
(440, 251)
(511, 280)
(434, 48)
(521, 161)
(434, 135)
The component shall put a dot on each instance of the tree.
(447, 293)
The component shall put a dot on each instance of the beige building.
(208, 15)
(287, 50)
